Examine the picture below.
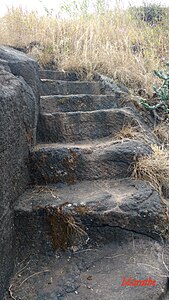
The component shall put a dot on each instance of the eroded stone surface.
(22, 65)
(77, 126)
(68, 164)
(94, 219)
(70, 103)
(56, 75)
(129, 204)
(96, 272)
(59, 87)
(18, 120)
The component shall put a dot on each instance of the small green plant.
(149, 13)
(161, 93)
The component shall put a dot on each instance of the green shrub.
(161, 93)
(149, 13)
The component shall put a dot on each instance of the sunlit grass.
(154, 169)
(112, 43)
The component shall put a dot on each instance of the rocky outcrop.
(97, 272)
(82, 196)
(70, 163)
(19, 101)
(22, 65)
(127, 204)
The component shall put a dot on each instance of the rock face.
(69, 163)
(21, 65)
(76, 126)
(127, 204)
(19, 89)
(83, 198)
(97, 272)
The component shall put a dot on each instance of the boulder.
(19, 89)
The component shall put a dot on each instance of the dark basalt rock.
(71, 103)
(97, 272)
(77, 126)
(52, 164)
(18, 122)
(86, 201)
(127, 204)
(60, 87)
(56, 75)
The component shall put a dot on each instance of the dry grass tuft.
(132, 132)
(162, 132)
(128, 132)
(154, 169)
(65, 231)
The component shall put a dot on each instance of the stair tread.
(66, 87)
(70, 81)
(125, 110)
(127, 203)
(61, 75)
(79, 102)
(76, 95)
(97, 272)
(72, 126)
(116, 191)
(89, 144)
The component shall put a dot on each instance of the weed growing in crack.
(65, 231)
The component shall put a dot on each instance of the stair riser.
(33, 230)
(57, 75)
(68, 165)
(70, 87)
(100, 216)
(52, 104)
(77, 126)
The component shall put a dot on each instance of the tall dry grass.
(155, 170)
(102, 43)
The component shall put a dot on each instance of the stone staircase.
(85, 224)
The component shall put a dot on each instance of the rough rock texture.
(18, 120)
(69, 163)
(77, 126)
(127, 204)
(96, 272)
(4, 65)
(56, 75)
(85, 201)
(86, 102)
(22, 65)
(59, 87)
(109, 86)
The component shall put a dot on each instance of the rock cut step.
(41, 213)
(72, 103)
(77, 126)
(57, 75)
(96, 272)
(60, 163)
(59, 87)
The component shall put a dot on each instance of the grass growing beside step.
(65, 231)
(113, 43)
(130, 132)
(154, 169)
(162, 132)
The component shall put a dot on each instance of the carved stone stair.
(84, 221)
